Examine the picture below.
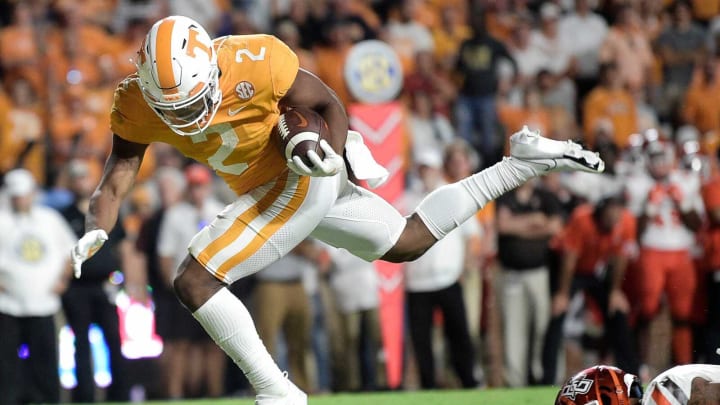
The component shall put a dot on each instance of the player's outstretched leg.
(228, 322)
(449, 206)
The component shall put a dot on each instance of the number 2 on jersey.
(229, 142)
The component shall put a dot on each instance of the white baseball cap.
(549, 11)
(19, 182)
(430, 158)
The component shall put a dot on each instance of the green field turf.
(527, 396)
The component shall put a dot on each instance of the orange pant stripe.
(243, 220)
(268, 230)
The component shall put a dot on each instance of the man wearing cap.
(432, 283)
(34, 270)
(90, 298)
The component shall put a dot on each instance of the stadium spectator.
(628, 47)
(21, 46)
(609, 109)
(407, 35)
(680, 47)
(561, 61)
(531, 113)
(288, 32)
(449, 34)
(25, 145)
(432, 284)
(356, 344)
(460, 161)
(582, 31)
(331, 56)
(169, 183)
(529, 59)
(527, 218)
(34, 270)
(475, 108)
(186, 343)
(427, 129)
(281, 304)
(429, 78)
(91, 298)
(702, 100)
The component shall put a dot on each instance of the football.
(299, 131)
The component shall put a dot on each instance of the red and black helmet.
(600, 385)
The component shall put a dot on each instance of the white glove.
(331, 165)
(86, 247)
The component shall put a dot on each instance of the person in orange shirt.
(179, 97)
(702, 100)
(610, 102)
(21, 58)
(597, 243)
(24, 145)
(532, 113)
(627, 46)
(330, 59)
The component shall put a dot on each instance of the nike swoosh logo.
(303, 122)
(232, 112)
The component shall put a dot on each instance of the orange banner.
(383, 131)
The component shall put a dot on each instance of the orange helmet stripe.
(163, 55)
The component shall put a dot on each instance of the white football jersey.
(665, 231)
(674, 385)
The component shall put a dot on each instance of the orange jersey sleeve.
(711, 194)
(256, 72)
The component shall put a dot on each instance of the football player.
(691, 384)
(601, 385)
(216, 101)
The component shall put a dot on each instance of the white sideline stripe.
(300, 137)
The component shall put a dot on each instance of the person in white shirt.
(355, 289)
(185, 339)
(582, 34)
(34, 271)
(433, 282)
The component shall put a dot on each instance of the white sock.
(228, 322)
(450, 205)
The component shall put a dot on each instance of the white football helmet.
(178, 74)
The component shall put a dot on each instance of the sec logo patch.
(245, 90)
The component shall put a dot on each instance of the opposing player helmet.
(601, 385)
(178, 74)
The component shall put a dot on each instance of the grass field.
(528, 396)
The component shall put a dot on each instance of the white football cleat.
(547, 155)
(294, 396)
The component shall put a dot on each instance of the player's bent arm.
(118, 178)
(308, 90)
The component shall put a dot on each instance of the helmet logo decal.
(245, 90)
(194, 43)
(576, 387)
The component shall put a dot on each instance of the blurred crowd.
(565, 271)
